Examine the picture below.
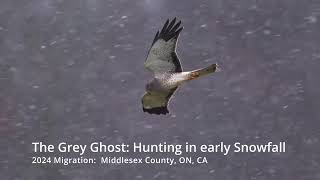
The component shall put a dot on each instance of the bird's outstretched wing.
(157, 102)
(162, 55)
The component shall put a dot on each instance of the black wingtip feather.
(155, 37)
(176, 26)
(157, 110)
(171, 24)
(165, 26)
(170, 30)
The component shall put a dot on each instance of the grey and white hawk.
(164, 63)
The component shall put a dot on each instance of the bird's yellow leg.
(194, 75)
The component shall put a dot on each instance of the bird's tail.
(203, 71)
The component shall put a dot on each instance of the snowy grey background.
(73, 71)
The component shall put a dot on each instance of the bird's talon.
(194, 75)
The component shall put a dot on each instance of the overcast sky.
(73, 71)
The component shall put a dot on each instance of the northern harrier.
(164, 63)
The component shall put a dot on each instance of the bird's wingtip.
(170, 30)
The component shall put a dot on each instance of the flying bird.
(163, 62)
